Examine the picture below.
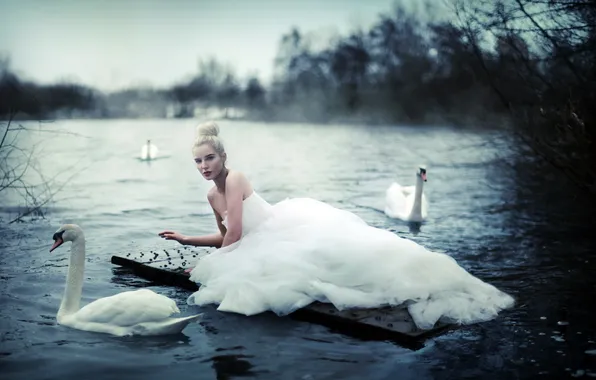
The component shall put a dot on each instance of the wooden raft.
(166, 267)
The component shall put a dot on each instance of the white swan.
(149, 151)
(407, 203)
(139, 312)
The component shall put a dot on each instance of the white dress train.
(301, 250)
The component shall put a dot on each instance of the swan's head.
(68, 232)
(421, 173)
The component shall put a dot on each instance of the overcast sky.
(115, 43)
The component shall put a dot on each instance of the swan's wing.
(128, 308)
(395, 201)
(153, 151)
(144, 151)
(407, 190)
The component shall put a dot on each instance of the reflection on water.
(506, 231)
(231, 366)
(414, 227)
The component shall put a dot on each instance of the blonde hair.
(208, 133)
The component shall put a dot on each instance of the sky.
(114, 44)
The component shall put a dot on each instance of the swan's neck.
(74, 280)
(417, 207)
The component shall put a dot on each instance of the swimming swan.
(407, 203)
(138, 312)
(149, 151)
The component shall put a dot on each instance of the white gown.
(301, 250)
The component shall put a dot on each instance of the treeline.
(402, 70)
(214, 85)
(29, 99)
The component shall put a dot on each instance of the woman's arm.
(213, 240)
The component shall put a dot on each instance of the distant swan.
(139, 312)
(149, 151)
(408, 203)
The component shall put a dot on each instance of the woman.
(225, 198)
(284, 256)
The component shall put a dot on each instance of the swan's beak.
(423, 176)
(57, 243)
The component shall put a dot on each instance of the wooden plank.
(158, 275)
(393, 323)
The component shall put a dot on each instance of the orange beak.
(57, 244)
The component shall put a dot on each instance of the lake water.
(478, 215)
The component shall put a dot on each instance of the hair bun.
(208, 129)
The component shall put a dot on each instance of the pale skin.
(226, 197)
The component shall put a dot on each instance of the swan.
(148, 151)
(138, 312)
(408, 203)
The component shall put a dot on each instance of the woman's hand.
(172, 235)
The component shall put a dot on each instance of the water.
(477, 215)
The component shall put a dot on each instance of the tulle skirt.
(309, 251)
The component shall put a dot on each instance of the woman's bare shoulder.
(235, 175)
(237, 178)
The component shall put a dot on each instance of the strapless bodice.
(255, 210)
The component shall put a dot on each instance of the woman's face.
(208, 161)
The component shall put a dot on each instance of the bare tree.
(23, 185)
(542, 66)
